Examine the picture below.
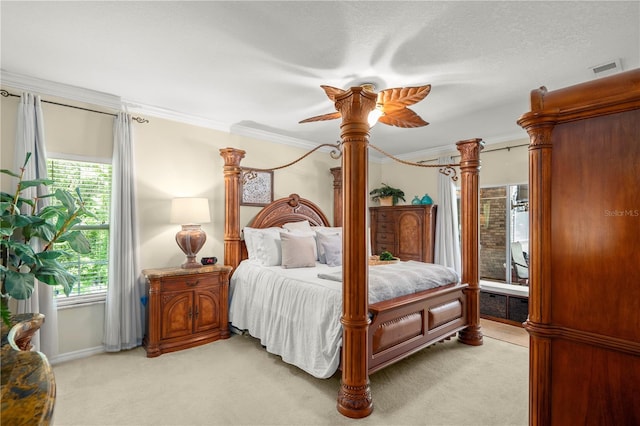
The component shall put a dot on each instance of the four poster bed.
(371, 335)
(295, 312)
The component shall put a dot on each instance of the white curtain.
(30, 138)
(447, 247)
(123, 312)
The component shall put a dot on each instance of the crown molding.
(241, 130)
(168, 114)
(45, 87)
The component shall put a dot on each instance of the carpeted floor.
(237, 382)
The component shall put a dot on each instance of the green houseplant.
(22, 264)
(385, 191)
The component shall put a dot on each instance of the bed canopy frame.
(351, 206)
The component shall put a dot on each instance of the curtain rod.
(508, 148)
(138, 119)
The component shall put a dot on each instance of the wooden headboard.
(289, 209)
(284, 210)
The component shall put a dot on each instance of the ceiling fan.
(391, 105)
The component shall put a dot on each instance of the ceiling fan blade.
(399, 97)
(332, 92)
(403, 117)
(324, 117)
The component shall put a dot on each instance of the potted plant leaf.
(23, 262)
(387, 195)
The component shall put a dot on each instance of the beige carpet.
(236, 382)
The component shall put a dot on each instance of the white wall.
(171, 160)
(174, 159)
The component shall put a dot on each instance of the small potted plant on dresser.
(387, 195)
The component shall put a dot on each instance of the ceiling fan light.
(373, 117)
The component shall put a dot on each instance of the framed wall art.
(256, 187)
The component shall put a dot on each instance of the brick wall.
(493, 232)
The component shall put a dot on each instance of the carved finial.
(294, 200)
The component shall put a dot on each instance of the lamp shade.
(190, 210)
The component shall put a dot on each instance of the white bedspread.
(296, 314)
(397, 279)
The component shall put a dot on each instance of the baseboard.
(70, 356)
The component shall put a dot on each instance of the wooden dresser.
(185, 307)
(584, 300)
(408, 232)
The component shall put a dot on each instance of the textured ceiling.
(256, 67)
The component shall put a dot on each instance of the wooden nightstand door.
(207, 310)
(176, 313)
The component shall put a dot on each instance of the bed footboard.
(402, 326)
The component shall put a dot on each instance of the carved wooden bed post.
(354, 397)
(337, 195)
(469, 202)
(232, 176)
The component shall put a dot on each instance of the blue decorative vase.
(426, 199)
(415, 200)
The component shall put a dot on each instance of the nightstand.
(185, 307)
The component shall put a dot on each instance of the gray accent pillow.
(332, 247)
(327, 231)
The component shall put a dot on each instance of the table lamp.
(190, 213)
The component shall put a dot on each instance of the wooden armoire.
(584, 299)
(406, 231)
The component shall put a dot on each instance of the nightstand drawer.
(189, 282)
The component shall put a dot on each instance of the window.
(504, 234)
(94, 181)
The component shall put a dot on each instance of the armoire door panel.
(597, 224)
(410, 240)
(615, 377)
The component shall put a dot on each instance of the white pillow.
(263, 245)
(329, 229)
(326, 230)
(248, 234)
(302, 225)
(332, 247)
(298, 250)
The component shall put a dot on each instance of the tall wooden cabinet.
(584, 300)
(407, 231)
(185, 307)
